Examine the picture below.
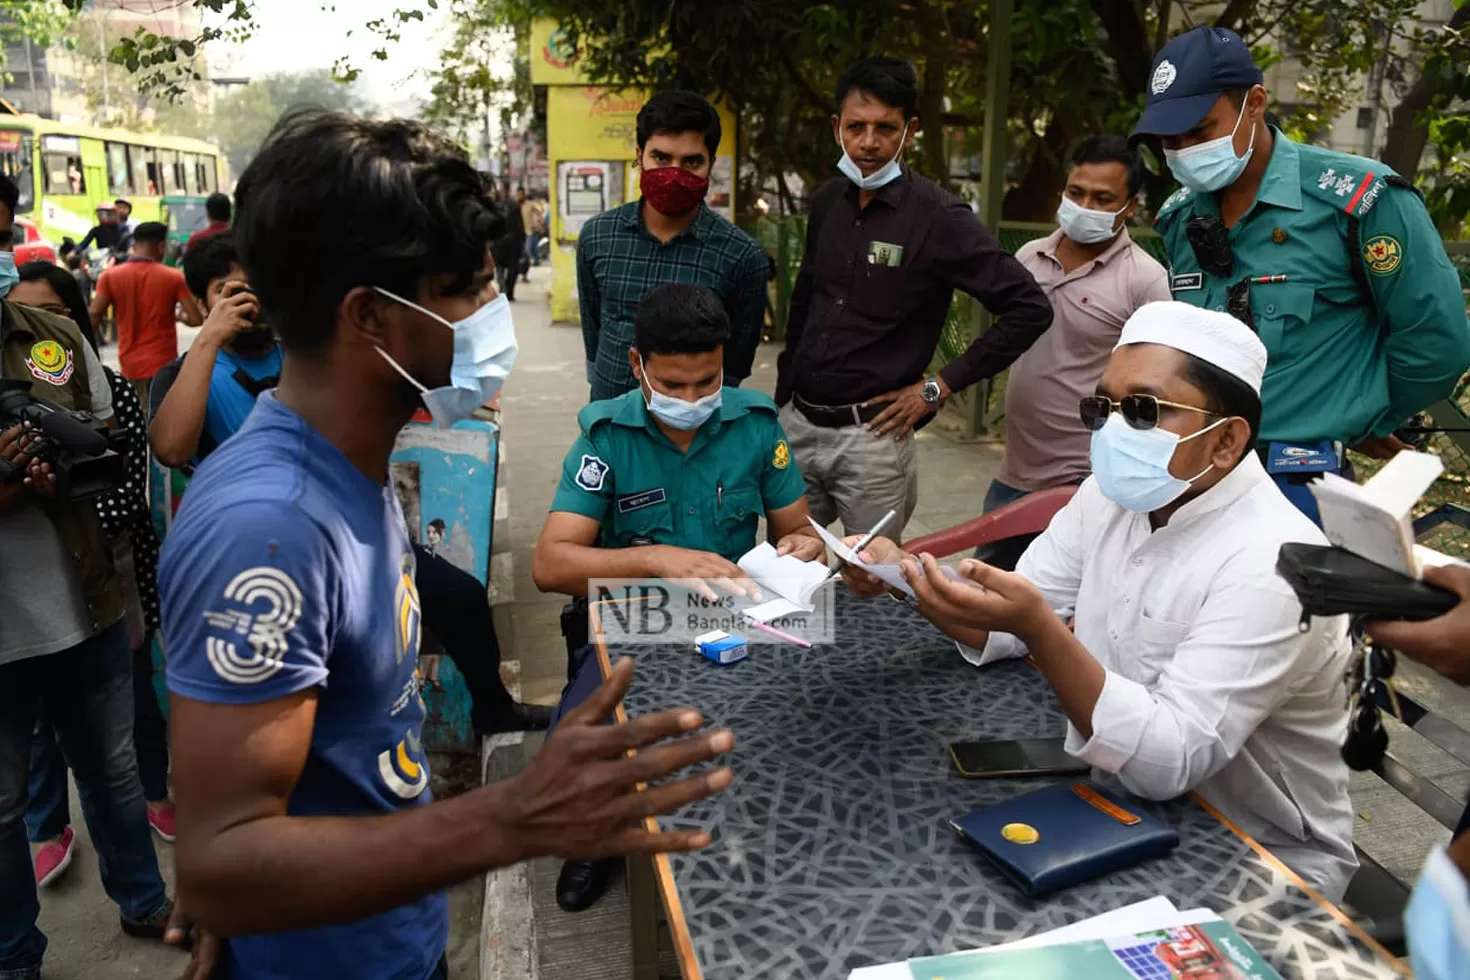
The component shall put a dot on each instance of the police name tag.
(1187, 281)
(637, 501)
(885, 253)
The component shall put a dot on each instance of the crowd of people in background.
(1297, 317)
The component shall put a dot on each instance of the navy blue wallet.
(1064, 834)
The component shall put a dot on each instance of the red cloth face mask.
(672, 190)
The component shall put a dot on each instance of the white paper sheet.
(886, 572)
(786, 575)
(1154, 913)
(1373, 520)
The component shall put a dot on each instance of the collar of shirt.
(1281, 184)
(892, 193)
(1248, 473)
(1120, 243)
(698, 230)
(141, 258)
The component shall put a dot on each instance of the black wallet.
(1333, 581)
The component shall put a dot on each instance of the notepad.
(792, 580)
(1374, 520)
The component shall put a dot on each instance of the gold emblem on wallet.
(1020, 833)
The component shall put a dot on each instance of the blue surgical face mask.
(1438, 921)
(881, 177)
(8, 276)
(676, 413)
(484, 352)
(1132, 465)
(1210, 166)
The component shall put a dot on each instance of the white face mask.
(676, 413)
(1086, 226)
(484, 352)
(881, 177)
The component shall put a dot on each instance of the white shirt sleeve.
(97, 382)
(1241, 658)
(1052, 563)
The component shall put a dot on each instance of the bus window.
(61, 161)
(119, 173)
(181, 173)
(140, 159)
(15, 163)
(204, 170)
(168, 170)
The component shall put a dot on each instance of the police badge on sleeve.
(592, 473)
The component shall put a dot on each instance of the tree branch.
(812, 95)
(1408, 127)
(1234, 14)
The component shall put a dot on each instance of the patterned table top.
(832, 850)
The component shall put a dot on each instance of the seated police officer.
(667, 481)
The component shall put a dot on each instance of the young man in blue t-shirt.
(200, 399)
(307, 833)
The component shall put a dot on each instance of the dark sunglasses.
(1139, 411)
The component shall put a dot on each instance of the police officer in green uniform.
(1331, 258)
(668, 481)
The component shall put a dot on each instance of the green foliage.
(243, 116)
(43, 22)
(465, 91)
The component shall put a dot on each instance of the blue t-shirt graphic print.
(288, 569)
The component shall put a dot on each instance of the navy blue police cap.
(1189, 76)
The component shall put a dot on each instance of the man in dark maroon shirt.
(217, 209)
(885, 250)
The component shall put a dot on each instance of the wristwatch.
(931, 392)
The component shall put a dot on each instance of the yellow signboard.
(553, 55)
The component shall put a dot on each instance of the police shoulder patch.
(1382, 254)
(781, 458)
(591, 473)
(1171, 204)
(49, 361)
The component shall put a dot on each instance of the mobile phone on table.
(1017, 757)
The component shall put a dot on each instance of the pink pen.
(777, 633)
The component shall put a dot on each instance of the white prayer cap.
(1216, 338)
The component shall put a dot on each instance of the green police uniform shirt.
(1341, 365)
(626, 474)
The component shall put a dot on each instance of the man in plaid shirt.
(669, 235)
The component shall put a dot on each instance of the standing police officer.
(1331, 258)
(668, 480)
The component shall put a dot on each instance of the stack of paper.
(1374, 520)
(1148, 916)
(792, 580)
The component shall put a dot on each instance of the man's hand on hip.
(1386, 448)
(906, 408)
(579, 797)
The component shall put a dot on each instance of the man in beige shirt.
(1095, 276)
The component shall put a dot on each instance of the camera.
(87, 457)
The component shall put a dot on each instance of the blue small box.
(721, 647)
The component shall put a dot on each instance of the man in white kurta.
(1187, 670)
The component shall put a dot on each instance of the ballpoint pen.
(863, 542)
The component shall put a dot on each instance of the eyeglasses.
(1139, 411)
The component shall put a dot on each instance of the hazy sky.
(293, 35)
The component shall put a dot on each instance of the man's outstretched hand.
(577, 799)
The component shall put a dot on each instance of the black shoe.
(519, 718)
(581, 883)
